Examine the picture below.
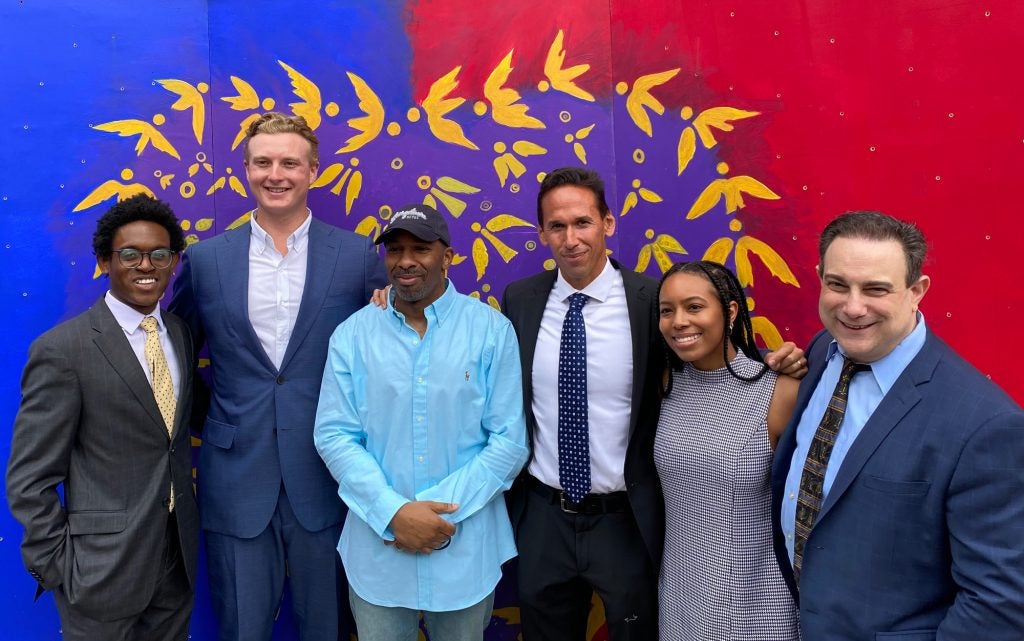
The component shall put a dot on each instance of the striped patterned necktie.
(163, 386)
(573, 429)
(812, 480)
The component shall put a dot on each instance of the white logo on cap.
(408, 213)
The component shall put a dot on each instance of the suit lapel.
(532, 314)
(182, 351)
(638, 302)
(233, 274)
(903, 396)
(112, 342)
(320, 266)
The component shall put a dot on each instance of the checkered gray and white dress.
(719, 578)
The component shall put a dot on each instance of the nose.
(275, 171)
(570, 236)
(680, 319)
(853, 305)
(145, 263)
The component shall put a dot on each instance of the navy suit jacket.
(922, 534)
(524, 302)
(258, 432)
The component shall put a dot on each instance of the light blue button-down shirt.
(434, 419)
(866, 391)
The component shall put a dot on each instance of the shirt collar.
(599, 289)
(888, 368)
(296, 242)
(435, 312)
(129, 318)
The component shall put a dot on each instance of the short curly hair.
(129, 210)
(274, 122)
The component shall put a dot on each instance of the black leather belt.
(591, 503)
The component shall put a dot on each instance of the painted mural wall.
(728, 130)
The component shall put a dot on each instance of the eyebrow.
(870, 283)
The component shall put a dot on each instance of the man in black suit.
(595, 524)
(104, 413)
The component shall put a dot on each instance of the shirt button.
(415, 342)
(419, 380)
(419, 419)
(789, 537)
(792, 496)
(421, 459)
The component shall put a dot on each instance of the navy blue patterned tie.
(573, 431)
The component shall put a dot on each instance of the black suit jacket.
(88, 421)
(524, 302)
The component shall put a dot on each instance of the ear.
(314, 167)
(542, 235)
(609, 223)
(449, 256)
(103, 262)
(734, 310)
(919, 289)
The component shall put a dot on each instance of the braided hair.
(740, 333)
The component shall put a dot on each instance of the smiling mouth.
(686, 340)
(853, 327)
(276, 190)
(145, 281)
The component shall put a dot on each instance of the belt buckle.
(562, 502)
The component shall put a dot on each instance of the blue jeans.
(383, 623)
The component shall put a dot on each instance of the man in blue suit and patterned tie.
(898, 488)
(265, 298)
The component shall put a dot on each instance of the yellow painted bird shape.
(563, 79)
(146, 132)
(309, 94)
(368, 126)
(436, 106)
(505, 109)
(189, 98)
(112, 188)
(640, 97)
(246, 98)
(732, 190)
(717, 117)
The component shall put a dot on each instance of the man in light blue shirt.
(421, 422)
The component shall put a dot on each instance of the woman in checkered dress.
(722, 413)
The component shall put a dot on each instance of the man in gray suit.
(104, 413)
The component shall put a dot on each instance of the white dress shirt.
(276, 283)
(609, 381)
(129, 319)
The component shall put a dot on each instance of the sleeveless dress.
(719, 577)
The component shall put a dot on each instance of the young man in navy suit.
(265, 298)
(898, 487)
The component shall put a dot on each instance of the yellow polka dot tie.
(163, 387)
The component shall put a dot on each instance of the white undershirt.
(276, 283)
(129, 319)
(609, 381)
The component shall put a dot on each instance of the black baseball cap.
(422, 221)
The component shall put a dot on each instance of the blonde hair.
(274, 122)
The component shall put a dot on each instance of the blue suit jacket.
(258, 433)
(922, 533)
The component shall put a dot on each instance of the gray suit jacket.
(88, 420)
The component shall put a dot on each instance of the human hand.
(418, 528)
(380, 297)
(788, 360)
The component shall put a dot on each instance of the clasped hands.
(419, 528)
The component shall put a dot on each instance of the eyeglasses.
(130, 257)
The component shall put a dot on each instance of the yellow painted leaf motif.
(501, 168)
(369, 227)
(517, 168)
(355, 185)
(640, 97)
(686, 148)
(580, 152)
(328, 175)
(165, 180)
(336, 189)
(501, 222)
(631, 201)
(564, 79)
(583, 133)
(660, 257)
(525, 148)
(504, 107)
(309, 97)
(493, 302)
(146, 132)
(644, 259)
(480, 257)
(458, 259)
(507, 253)
(193, 169)
(736, 186)
(188, 98)
(436, 106)
(767, 331)
(242, 128)
(669, 244)
(448, 183)
(370, 125)
(707, 199)
(771, 259)
(649, 195)
(430, 200)
(451, 203)
(208, 167)
(246, 98)
(719, 250)
(217, 184)
(236, 186)
(110, 189)
(241, 220)
(719, 118)
(204, 224)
